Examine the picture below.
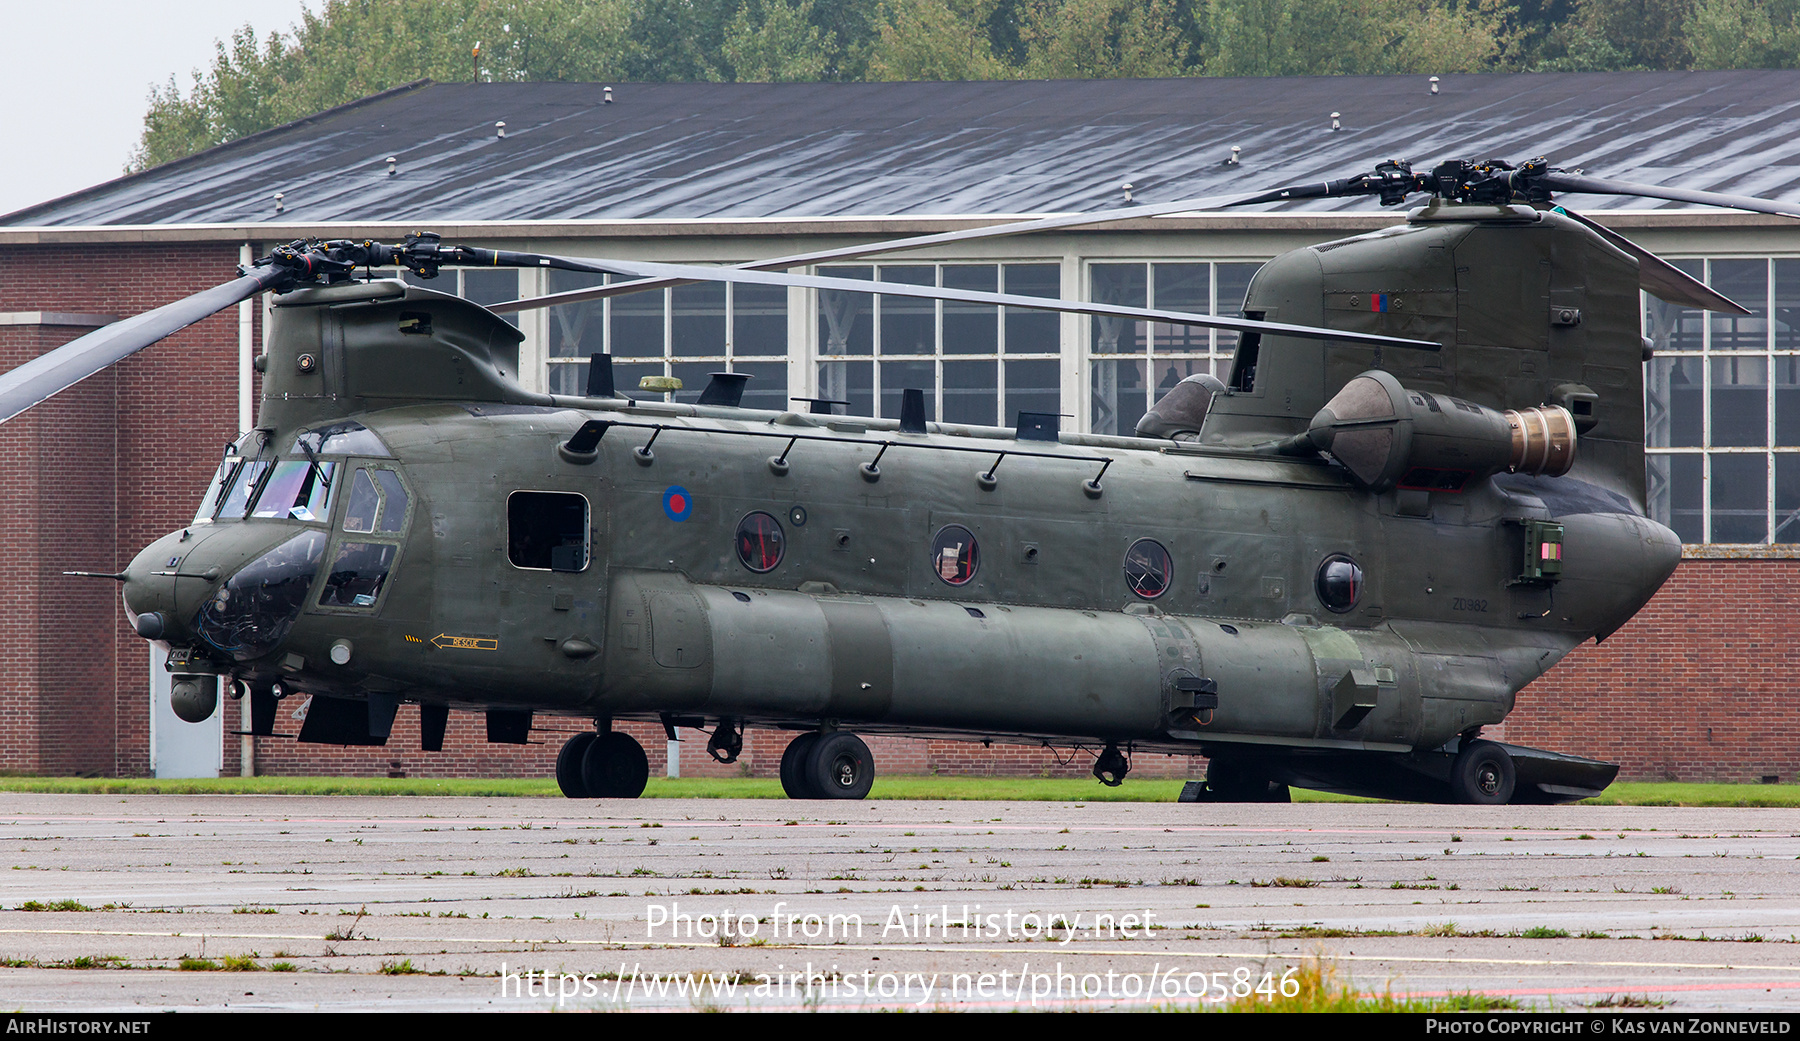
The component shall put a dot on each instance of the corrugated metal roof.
(711, 150)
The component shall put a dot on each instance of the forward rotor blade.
(697, 273)
(1660, 278)
(48, 374)
(1557, 181)
(1026, 227)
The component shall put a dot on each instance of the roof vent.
(1434, 84)
(393, 165)
(1233, 161)
(500, 128)
(1126, 188)
(1335, 125)
(278, 205)
(608, 95)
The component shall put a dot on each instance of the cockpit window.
(377, 502)
(210, 503)
(357, 574)
(346, 438)
(243, 488)
(297, 490)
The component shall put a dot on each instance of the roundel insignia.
(677, 503)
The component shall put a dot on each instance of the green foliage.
(1745, 34)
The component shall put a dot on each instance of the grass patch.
(54, 905)
(1020, 789)
(1324, 989)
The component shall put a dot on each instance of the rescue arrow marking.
(466, 643)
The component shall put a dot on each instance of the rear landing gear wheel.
(568, 765)
(1228, 781)
(615, 767)
(840, 766)
(793, 767)
(1482, 775)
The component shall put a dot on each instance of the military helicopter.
(1420, 487)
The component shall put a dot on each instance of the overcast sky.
(77, 74)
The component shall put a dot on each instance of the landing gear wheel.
(793, 767)
(840, 766)
(1111, 766)
(568, 765)
(1228, 781)
(1482, 775)
(615, 767)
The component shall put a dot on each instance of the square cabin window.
(547, 531)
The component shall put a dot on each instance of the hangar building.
(1699, 687)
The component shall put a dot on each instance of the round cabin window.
(1148, 568)
(1340, 583)
(760, 544)
(954, 555)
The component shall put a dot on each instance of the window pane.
(768, 386)
(1122, 284)
(1787, 305)
(694, 377)
(1032, 386)
(393, 506)
(575, 329)
(908, 324)
(897, 376)
(571, 379)
(1182, 287)
(846, 325)
(1740, 497)
(488, 286)
(237, 500)
(1673, 328)
(1118, 396)
(357, 574)
(971, 328)
(697, 321)
(626, 377)
(359, 514)
(1740, 401)
(971, 392)
(1674, 494)
(1234, 282)
(851, 381)
(1673, 414)
(1787, 497)
(759, 320)
(1746, 282)
(1787, 400)
(637, 324)
(1028, 331)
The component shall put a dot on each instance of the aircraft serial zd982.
(1420, 487)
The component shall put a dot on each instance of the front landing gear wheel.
(793, 767)
(840, 766)
(615, 767)
(1482, 775)
(568, 765)
(1111, 766)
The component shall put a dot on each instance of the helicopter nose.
(161, 579)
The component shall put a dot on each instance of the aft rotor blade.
(994, 231)
(1662, 279)
(39, 378)
(698, 273)
(1558, 181)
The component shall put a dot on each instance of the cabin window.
(357, 574)
(547, 531)
(346, 438)
(243, 490)
(1339, 583)
(760, 543)
(377, 502)
(1148, 568)
(954, 555)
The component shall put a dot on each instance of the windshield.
(297, 490)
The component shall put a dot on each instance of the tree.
(937, 40)
(769, 41)
(1101, 39)
(1741, 34)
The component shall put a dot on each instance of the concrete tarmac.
(450, 904)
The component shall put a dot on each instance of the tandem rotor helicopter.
(1420, 487)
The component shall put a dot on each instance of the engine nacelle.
(1388, 436)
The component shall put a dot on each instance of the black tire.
(793, 767)
(568, 765)
(615, 767)
(840, 766)
(1228, 780)
(1482, 775)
